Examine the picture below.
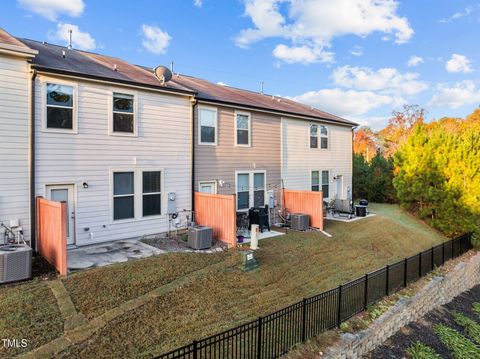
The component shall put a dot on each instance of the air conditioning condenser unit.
(15, 263)
(299, 221)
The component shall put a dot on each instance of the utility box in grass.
(248, 260)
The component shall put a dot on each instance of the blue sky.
(360, 59)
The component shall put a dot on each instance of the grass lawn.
(222, 296)
(30, 312)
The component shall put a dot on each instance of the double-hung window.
(60, 104)
(320, 180)
(242, 126)
(123, 195)
(250, 189)
(316, 132)
(137, 194)
(123, 119)
(152, 195)
(207, 128)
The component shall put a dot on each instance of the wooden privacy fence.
(308, 202)
(219, 212)
(52, 233)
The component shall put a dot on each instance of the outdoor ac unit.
(15, 263)
(200, 237)
(299, 221)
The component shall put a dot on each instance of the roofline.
(17, 50)
(48, 70)
(276, 112)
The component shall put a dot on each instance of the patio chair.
(343, 208)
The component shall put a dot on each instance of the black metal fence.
(273, 335)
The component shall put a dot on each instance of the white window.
(60, 102)
(207, 126)
(316, 132)
(123, 113)
(208, 187)
(151, 193)
(242, 129)
(123, 195)
(250, 189)
(320, 180)
(137, 194)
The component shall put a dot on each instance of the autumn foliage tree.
(365, 142)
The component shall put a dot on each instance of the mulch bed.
(422, 330)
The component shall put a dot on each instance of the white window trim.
(200, 183)
(43, 85)
(319, 137)
(249, 128)
(199, 125)
(110, 112)
(251, 188)
(138, 194)
(320, 180)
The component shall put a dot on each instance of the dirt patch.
(422, 330)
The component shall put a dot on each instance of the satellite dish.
(163, 74)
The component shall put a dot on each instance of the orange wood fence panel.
(219, 212)
(307, 202)
(52, 233)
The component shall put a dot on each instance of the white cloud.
(301, 54)
(460, 94)
(467, 11)
(313, 24)
(458, 63)
(385, 80)
(197, 3)
(51, 9)
(155, 40)
(346, 102)
(80, 40)
(357, 50)
(414, 61)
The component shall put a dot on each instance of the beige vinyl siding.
(14, 143)
(163, 143)
(299, 159)
(220, 162)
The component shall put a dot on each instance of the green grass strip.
(422, 351)
(472, 328)
(461, 347)
(476, 307)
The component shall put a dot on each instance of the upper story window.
(123, 113)
(316, 132)
(59, 107)
(242, 126)
(207, 129)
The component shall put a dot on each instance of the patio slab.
(103, 254)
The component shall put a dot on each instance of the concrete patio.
(99, 255)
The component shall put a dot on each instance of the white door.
(64, 193)
(250, 189)
(340, 187)
(208, 187)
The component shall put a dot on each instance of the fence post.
(420, 265)
(432, 258)
(405, 272)
(339, 314)
(365, 295)
(259, 338)
(195, 344)
(304, 319)
(451, 241)
(387, 279)
(443, 253)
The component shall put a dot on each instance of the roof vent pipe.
(70, 39)
(63, 53)
(261, 87)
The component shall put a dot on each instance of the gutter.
(33, 210)
(102, 79)
(277, 112)
(194, 103)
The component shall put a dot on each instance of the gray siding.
(220, 162)
(14, 143)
